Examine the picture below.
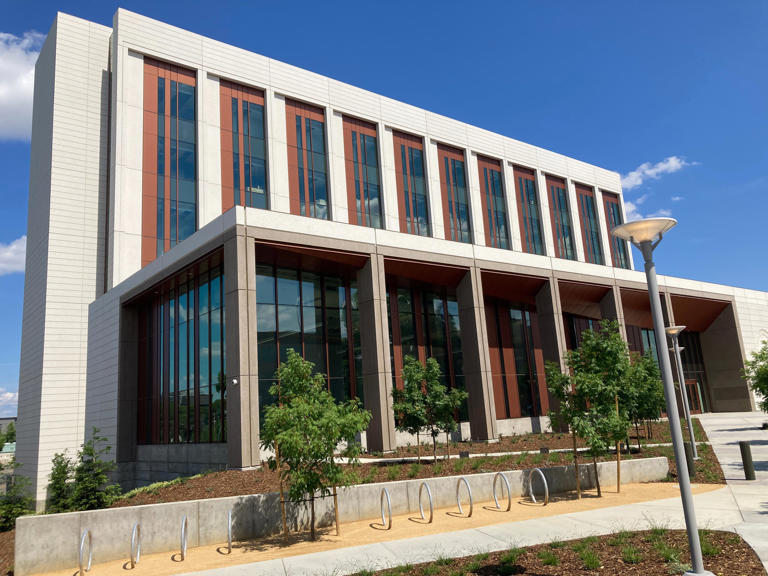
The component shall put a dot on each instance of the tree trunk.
(312, 534)
(434, 448)
(576, 466)
(597, 478)
(637, 429)
(418, 448)
(447, 446)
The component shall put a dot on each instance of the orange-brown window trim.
(562, 242)
(619, 255)
(154, 69)
(404, 173)
(530, 224)
(490, 213)
(228, 91)
(590, 224)
(294, 108)
(451, 212)
(355, 170)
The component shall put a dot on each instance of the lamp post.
(674, 332)
(645, 235)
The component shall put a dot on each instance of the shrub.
(60, 485)
(92, 489)
(16, 500)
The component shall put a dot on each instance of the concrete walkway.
(741, 506)
(724, 432)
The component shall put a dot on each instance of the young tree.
(561, 387)
(643, 393)
(9, 435)
(60, 485)
(756, 374)
(309, 426)
(92, 489)
(408, 403)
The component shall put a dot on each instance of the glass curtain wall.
(243, 147)
(412, 202)
(516, 370)
(316, 315)
(307, 162)
(590, 229)
(561, 218)
(169, 185)
(529, 213)
(613, 218)
(361, 157)
(453, 187)
(493, 203)
(182, 393)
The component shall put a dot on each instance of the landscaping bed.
(656, 552)
(534, 442)
(6, 552)
(238, 483)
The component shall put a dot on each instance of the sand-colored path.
(368, 532)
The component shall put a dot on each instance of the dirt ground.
(6, 552)
(370, 531)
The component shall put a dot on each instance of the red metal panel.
(450, 221)
(294, 108)
(402, 139)
(489, 215)
(525, 174)
(494, 352)
(554, 217)
(361, 127)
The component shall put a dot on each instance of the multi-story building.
(197, 209)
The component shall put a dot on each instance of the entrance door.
(694, 396)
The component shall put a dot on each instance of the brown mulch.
(239, 483)
(6, 552)
(534, 442)
(648, 553)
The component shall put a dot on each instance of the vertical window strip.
(410, 224)
(235, 152)
(160, 218)
(356, 163)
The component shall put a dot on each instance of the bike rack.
(509, 491)
(458, 501)
(82, 571)
(387, 525)
(431, 506)
(135, 545)
(229, 531)
(184, 538)
(544, 480)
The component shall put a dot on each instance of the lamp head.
(674, 330)
(645, 230)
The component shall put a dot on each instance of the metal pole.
(684, 394)
(674, 419)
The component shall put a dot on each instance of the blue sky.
(673, 95)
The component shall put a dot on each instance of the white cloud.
(17, 80)
(633, 211)
(12, 256)
(676, 198)
(8, 402)
(650, 171)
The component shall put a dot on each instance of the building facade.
(196, 210)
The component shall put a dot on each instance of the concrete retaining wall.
(50, 542)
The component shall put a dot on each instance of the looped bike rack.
(509, 491)
(135, 545)
(544, 480)
(229, 531)
(469, 491)
(431, 506)
(386, 523)
(82, 570)
(183, 546)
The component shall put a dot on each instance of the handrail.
(184, 524)
(469, 490)
(544, 480)
(82, 571)
(384, 522)
(229, 531)
(431, 506)
(135, 545)
(509, 491)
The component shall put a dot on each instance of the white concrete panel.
(573, 208)
(546, 221)
(337, 174)
(389, 178)
(510, 195)
(475, 204)
(433, 189)
(277, 153)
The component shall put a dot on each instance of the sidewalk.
(741, 506)
(725, 431)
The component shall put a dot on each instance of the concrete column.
(551, 325)
(611, 308)
(474, 191)
(723, 354)
(510, 196)
(242, 358)
(477, 362)
(605, 239)
(432, 160)
(546, 220)
(374, 341)
(667, 310)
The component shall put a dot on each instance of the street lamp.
(646, 234)
(674, 332)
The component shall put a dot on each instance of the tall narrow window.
(412, 203)
(243, 147)
(493, 203)
(361, 154)
(613, 218)
(590, 230)
(561, 218)
(453, 186)
(307, 164)
(529, 215)
(169, 185)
